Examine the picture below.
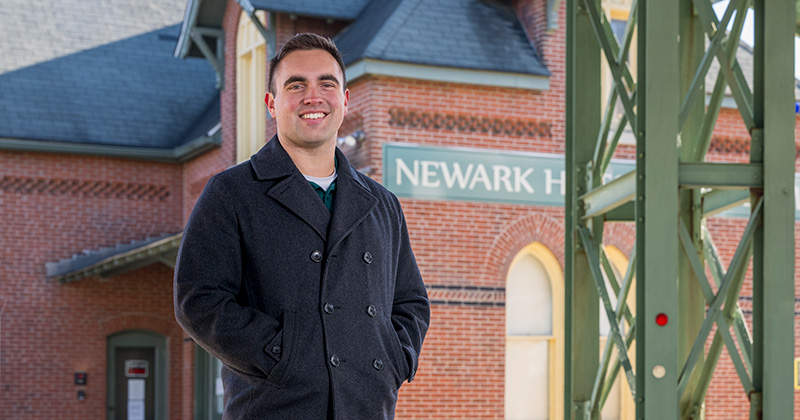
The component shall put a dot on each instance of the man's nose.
(313, 96)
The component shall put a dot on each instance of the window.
(534, 336)
(251, 75)
(534, 372)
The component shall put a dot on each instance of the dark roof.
(93, 86)
(470, 34)
(333, 9)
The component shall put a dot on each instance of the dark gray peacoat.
(300, 304)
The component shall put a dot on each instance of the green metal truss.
(668, 198)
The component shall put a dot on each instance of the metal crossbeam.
(715, 314)
(616, 333)
(668, 197)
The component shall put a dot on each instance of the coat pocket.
(395, 352)
(280, 349)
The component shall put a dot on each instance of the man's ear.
(269, 101)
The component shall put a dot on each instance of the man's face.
(308, 103)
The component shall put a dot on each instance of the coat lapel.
(351, 205)
(291, 190)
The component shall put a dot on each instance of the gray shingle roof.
(338, 9)
(76, 79)
(470, 34)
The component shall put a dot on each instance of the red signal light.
(662, 319)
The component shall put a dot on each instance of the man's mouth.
(313, 116)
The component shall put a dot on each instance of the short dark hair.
(305, 42)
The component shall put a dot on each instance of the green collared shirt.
(325, 195)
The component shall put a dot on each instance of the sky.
(747, 33)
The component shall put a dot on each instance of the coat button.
(367, 258)
(371, 311)
(316, 256)
(328, 308)
(377, 364)
(276, 349)
(334, 360)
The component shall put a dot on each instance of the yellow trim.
(556, 341)
(619, 14)
(251, 76)
(796, 367)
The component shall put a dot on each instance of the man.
(296, 271)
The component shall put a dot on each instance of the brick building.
(106, 141)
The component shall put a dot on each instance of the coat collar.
(352, 204)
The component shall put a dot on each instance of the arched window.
(534, 336)
(251, 76)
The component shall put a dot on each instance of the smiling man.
(296, 270)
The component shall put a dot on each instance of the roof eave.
(369, 66)
(161, 251)
(179, 154)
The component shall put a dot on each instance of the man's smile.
(313, 116)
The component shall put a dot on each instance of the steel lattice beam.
(668, 197)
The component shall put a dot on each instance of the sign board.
(500, 176)
(136, 368)
(479, 175)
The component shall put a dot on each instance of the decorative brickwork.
(83, 188)
(466, 295)
(424, 120)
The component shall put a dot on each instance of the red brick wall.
(53, 206)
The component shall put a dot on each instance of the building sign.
(493, 175)
(479, 175)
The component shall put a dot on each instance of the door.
(136, 377)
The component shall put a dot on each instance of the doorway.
(136, 376)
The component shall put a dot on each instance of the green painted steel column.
(657, 211)
(582, 124)
(691, 304)
(773, 253)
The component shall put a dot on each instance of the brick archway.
(549, 231)
(139, 321)
(532, 227)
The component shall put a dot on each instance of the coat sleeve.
(208, 278)
(410, 308)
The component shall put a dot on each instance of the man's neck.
(318, 162)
